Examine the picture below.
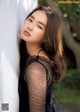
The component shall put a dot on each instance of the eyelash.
(30, 20)
(39, 26)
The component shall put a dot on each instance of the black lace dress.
(35, 86)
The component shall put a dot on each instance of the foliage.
(72, 79)
(71, 11)
(43, 2)
(67, 92)
(74, 7)
(68, 98)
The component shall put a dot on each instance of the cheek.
(39, 37)
(39, 34)
(22, 30)
(25, 24)
(22, 35)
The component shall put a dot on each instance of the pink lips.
(26, 33)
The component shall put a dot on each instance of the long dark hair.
(53, 41)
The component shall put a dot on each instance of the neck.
(33, 49)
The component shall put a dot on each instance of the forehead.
(40, 16)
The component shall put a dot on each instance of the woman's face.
(34, 27)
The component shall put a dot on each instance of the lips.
(26, 33)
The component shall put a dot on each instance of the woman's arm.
(36, 80)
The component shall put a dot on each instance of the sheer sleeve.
(36, 81)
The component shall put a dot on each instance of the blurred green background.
(67, 92)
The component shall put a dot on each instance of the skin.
(33, 32)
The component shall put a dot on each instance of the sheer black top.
(35, 85)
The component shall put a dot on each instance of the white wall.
(12, 15)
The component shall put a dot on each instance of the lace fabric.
(37, 73)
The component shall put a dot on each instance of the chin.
(23, 38)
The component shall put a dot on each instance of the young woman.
(41, 60)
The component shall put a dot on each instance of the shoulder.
(36, 68)
(39, 69)
(35, 72)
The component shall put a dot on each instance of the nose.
(31, 27)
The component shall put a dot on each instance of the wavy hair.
(53, 41)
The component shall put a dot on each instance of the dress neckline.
(39, 57)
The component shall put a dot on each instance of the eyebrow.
(38, 21)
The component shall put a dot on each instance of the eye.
(30, 20)
(39, 26)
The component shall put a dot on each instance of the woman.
(41, 60)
